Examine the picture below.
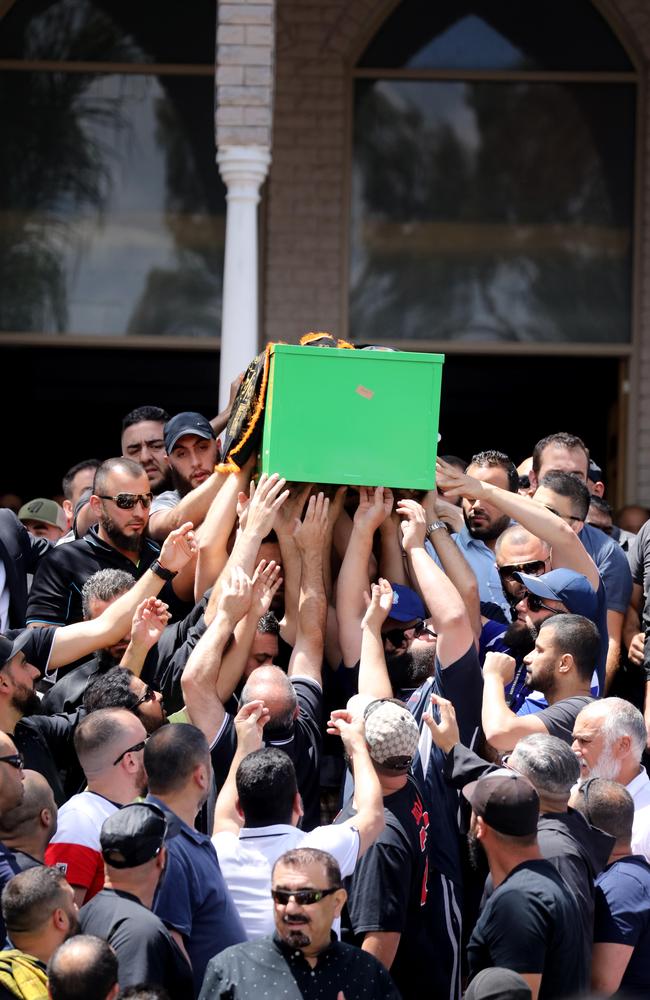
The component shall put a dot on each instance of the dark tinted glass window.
(496, 34)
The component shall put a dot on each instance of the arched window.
(111, 206)
(493, 176)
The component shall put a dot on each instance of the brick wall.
(245, 40)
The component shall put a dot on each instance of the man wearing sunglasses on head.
(121, 501)
(303, 958)
(110, 746)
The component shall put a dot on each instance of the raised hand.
(414, 524)
(455, 483)
(350, 728)
(266, 582)
(236, 596)
(445, 734)
(178, 548)
(249, 726)
(266, 499)
(291, 510)
(499, 665)
(149, 621)
(378, 605)
(375, 505)
(308, 533)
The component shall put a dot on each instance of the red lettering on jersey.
(425, 883)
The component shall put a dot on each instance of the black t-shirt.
(302, 743)
(531, 924)
(560, 718)
(47, 744)
(55, 597)
(389, 890)
(146, 951)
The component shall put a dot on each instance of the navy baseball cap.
(186, 423)
(573, 589)
(407, 605)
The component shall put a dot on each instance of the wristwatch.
(434, 526)
(164, 574)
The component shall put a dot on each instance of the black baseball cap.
(14, 642)
(506, 800)
(133, 835)
(186, 423)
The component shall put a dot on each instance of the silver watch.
(434, 526)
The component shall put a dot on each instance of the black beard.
(475, 852)
(488, 533)
(519, 638)
(179, 482)
(130, 543)
(106, 660)
(410, 669)
(25, 701)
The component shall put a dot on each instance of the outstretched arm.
(369, 817)
(373, 673)
(215, 532)
(72, 642)
(452, 560)
(501, 726)
(307, 656)
(199, 678)
(192, 507)
(568, 551)
(374, 507)
(149, 621)
(446, 607)
(249, 725)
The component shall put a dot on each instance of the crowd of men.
(270, 739)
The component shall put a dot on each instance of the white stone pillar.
(243, 169)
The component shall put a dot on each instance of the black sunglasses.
(133, 749)
(397, 636)
(535, 603)
(303, 897)
(533, 568)
(14, 760)
(149, 695)
(127, 501)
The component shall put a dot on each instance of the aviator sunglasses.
(127, 501)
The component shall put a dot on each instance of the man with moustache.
(192, 451)
(121, 500)
(609, 738)
(531, 923)
(303, 958)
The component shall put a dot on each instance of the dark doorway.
(510, 402)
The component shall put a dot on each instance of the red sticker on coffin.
(362, 391)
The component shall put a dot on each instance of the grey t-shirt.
(165, 501)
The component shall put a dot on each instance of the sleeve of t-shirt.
(223, 750)
(380, 887)
(516, 931)
(339, 840)
(49, 596)
(80, 859)
(559, 718)
(462, 684)
(621, 913)
(39, 649)
(164, 501)
(615, 572)
(635, 555)
(309, 696)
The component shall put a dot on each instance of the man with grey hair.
(577, 850)
(609, 738)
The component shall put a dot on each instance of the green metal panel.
(367, 418)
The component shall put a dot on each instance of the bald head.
(516, 545)
(103, 736)
(32, 819)
(272, 686)
(84, 966)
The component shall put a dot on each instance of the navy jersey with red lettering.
(389, 890)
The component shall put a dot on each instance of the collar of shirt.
(260, 832)
(295, 955)
(177, 825)
(466, 541)
(639, 784)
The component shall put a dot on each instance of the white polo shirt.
(639, 789)
(247, 861)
